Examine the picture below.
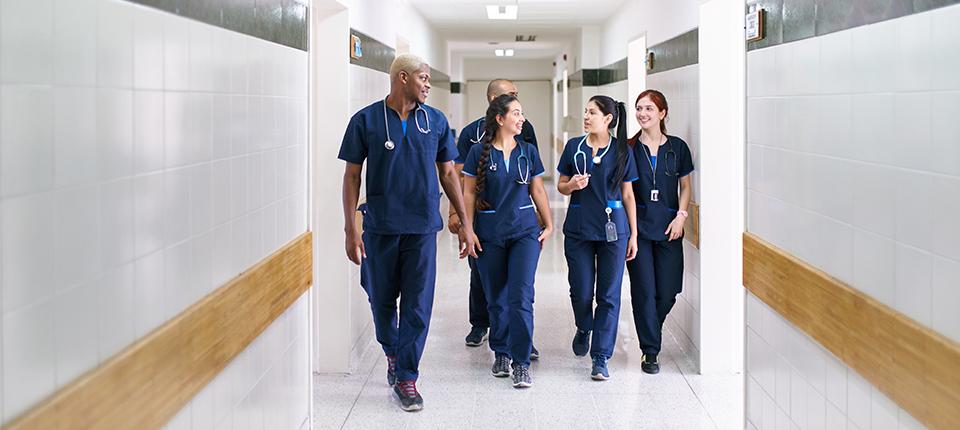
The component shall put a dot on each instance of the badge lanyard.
(610, 228)
(654, 193)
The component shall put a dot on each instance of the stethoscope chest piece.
(389, 145)
(493, 167)
(596, 160)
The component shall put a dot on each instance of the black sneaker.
(581, 343)
(501, 366)
(521, 376)
(650, 364)
(391, 370)
(599, 372)
(534, 354)
(477, 336)
(410, 399)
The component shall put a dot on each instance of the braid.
(498, 107)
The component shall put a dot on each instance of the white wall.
(681, 88)
(385, 20)
(486, 69)
(853, 167)
(146, 160)
(659, 20)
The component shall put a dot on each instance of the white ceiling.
(464, 24)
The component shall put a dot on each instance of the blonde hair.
(405, 63)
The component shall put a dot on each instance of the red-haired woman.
(663, 194)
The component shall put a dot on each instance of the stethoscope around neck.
(667, 171)
(416, 119)
(479, 133)
(596, 158)
(522, 158)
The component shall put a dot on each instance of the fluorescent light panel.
(498, 52)
(503, 52)
(502, 12)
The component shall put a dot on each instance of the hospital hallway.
(460, 391)
(188, 189)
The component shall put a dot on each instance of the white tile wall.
(145, 159)
(793, 382)
(681, 88)
(853, 167)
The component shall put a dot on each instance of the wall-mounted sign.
(649, 61)
(356, 49)
(754, 25)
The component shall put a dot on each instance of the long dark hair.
(499, 106)
(609, 106)
(660, 101)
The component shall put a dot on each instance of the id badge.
(654, 195)
(611, 229)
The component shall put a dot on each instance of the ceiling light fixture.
(498, 52)
(502, 12)
(509, 52)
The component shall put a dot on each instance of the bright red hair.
(661, 102)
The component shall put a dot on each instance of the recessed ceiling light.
(498, 52)
(502, 12)
(509, 52)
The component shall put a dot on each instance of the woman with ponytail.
(663, 194)
(502, 187)
(596, 171)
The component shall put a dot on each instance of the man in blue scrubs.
(404, 143)
(471, 135)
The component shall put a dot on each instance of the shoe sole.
(650, 372)
(412, 408)
(522, 384)
(501, 374)
(475, 344)
(599, 377)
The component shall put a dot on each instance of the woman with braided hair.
(503, 188)
(600, 232)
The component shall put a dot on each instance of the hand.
(547, 231)
(453, 223)
(579, 182)
(675, 229)
(354, 247)
(469, 242)
(632, 248)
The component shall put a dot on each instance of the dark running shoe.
(521, 376)
(581, 343)
(391, 370)
(501, 366)
(599, 372)
(649, 364)
(477, 336)
(410, 399)
(534, 354)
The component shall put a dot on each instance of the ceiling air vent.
(526, 38)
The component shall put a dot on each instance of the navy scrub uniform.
(656, 274)
(470, 136)
(400, 223)
(508, 233)
(591, 260)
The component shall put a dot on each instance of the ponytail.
(622, 148)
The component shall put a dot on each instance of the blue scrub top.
(586, 217)
(511, 212)
(403, 193)
(673, 161)
(469, 137)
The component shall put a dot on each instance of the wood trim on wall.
(147, 384)
(691, 229)
(915, 366)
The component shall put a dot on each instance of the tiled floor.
(460, 393)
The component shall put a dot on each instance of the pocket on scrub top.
(574, 219)
(374, 211)
(526, 216)
(485, 224)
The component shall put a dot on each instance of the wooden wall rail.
(913, 365)
(691, 229)
(147, 384)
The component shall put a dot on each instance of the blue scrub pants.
(656, 277)
(405, 267)
(600, 263)
(508, 270)
(479, 317)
